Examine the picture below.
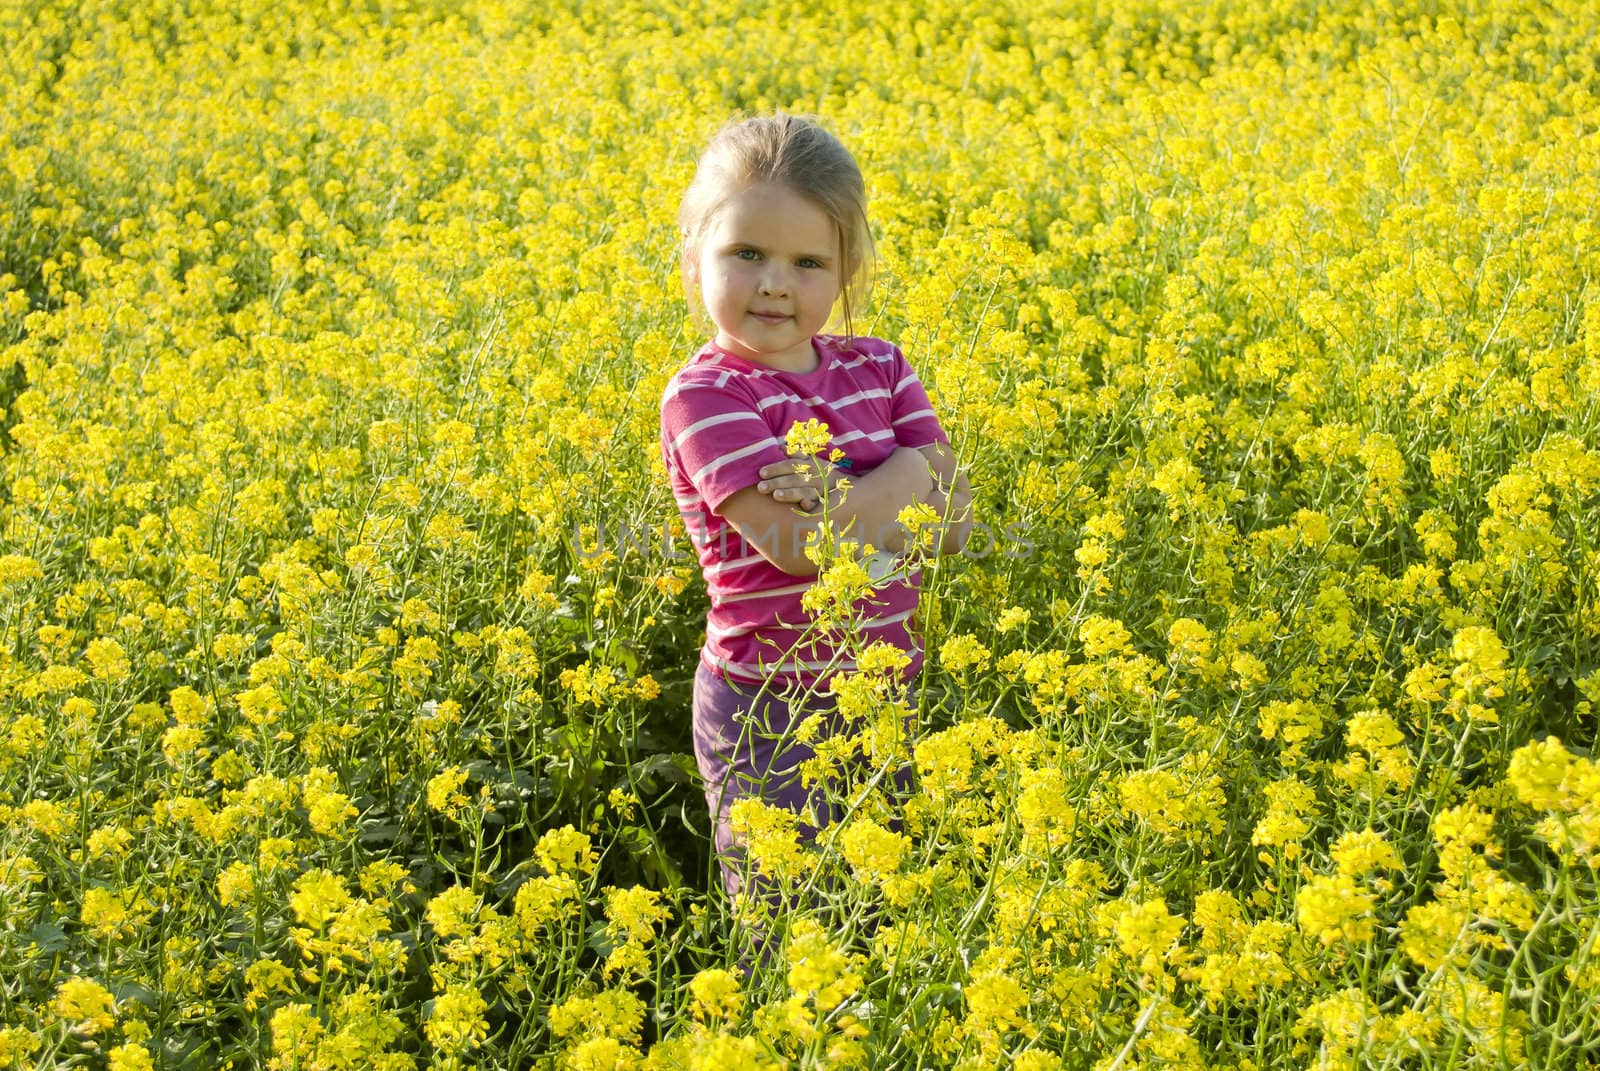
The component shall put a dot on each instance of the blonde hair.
(797, 153)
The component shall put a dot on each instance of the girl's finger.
(800, 466)
(785, 483)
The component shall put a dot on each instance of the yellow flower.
(112, 914)
(53, 680)
(944, 764)
(109, 841)
(1147, 933)
(770, 835)
(843, 583)
(963, 652)
(1046, 810)
(566, 851)
(260, 706)
(593, 683)
(720, 1052)
(1479, 676)
(1358, 853)
(1436, 533)
(1189, 640)
(46, 817)
(265, 978)
(1013, 618)
(1170, 802)
(809, 437)
(716, 994)
(1343, 1018)
(601, 1054)
(996, 1002)
(1378, 760)
(1102, 636)
(188, 706)
(543, 900)
(444, 793)
(28, 735)
(235, 884)
(85, 1004)
(16, 568)
(882, 657)
(873, 852)
(457, 1022)
(818, 969)
(1433, 932)
(1539, 773)
(922, 524)
(1333, 908)
(130, 1057)
(108, 660)
(318, 897)
(384, 876)
(181, 743)
(1090, 555)
(633, 913)
(451, 912)
(611, 1013)
(17, 1044)
(328, 811)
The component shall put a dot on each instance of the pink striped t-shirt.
(722, 419)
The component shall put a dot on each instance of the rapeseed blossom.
(84, 1004)
(457, 1022)
(566, 851)
(818, 970)
(716, 994)
(808, 437)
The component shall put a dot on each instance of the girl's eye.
(748, 254)
(807, 262)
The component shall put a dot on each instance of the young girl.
(775, 237)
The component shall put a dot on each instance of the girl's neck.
(806, 363)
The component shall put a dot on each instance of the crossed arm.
(776, 514)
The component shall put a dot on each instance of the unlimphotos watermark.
(643, 540)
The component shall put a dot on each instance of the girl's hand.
(802, 481)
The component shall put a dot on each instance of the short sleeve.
(714, 436)
(911, 413)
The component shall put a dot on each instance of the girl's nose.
(773, 284)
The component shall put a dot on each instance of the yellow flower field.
(349, 626)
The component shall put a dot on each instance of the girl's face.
(768, 269)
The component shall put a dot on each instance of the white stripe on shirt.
(713, 421)
(852, 436)
(792, 589)
(732, 564)
(733, 455)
